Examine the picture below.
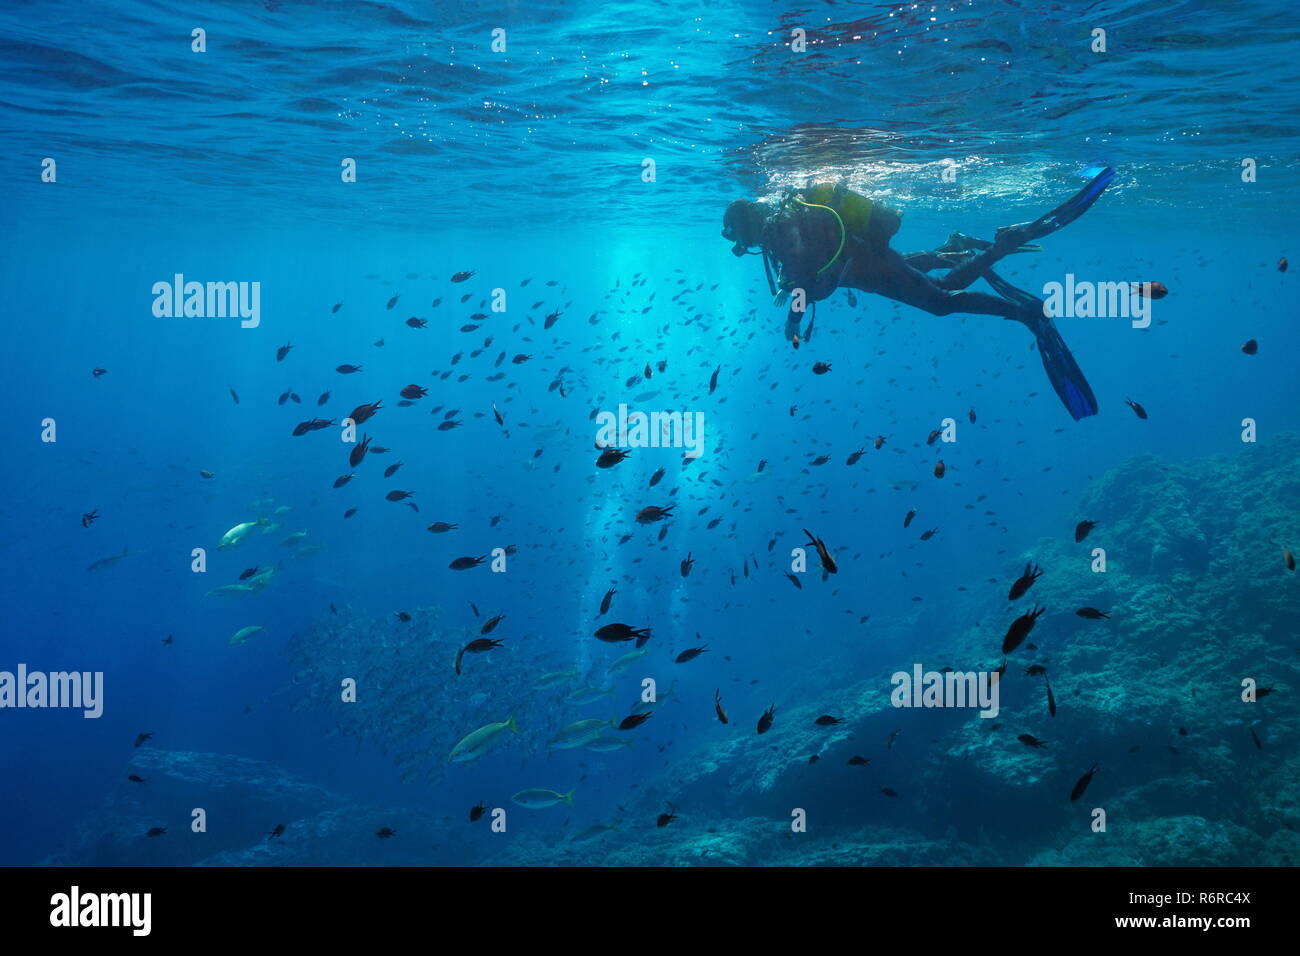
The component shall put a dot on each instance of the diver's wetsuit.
(816, 252)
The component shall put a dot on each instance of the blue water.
(225, 166)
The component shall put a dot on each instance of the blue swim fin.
(1075, 206)
(1062, 371)
(1062, 215)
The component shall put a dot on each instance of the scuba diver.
(828, 237)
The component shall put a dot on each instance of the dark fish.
(1251, 347)
(1150, 290)
(686, 565)
(552, 319)
(633, 721)
(1029, 740)
(853, 458)
(653, 513)
(490, 624)
(475, 813)
(887, 791)
(713, 379)
(325, 397)
(98, 372)
(717, 706)
(441, 527)
(136, 779)
(667, 818)
(1255, 737)
(656, 478)
(363, 413)
(247, 573)
(856, 761)
(342, 480)
(392, 469)
(765, 722)
(403, 617)
(690, 654)
(1023, 583)
(89, 517)
(611, 457)
(235, 396)
(971, 416)
(927, 535)
(282, 351)
(278, 831)
(1020, 629)
(398, 495)
(605, 601)
(359, 452)
(348, 369)
(614, 633)
(156, 831)
(821, 368)
(794, 581)
(828, 563)
(1082, 529)
(1092, 614)
(337, 306)
(393, 301)
(826, 720)
(142, 738)
(417, 323)
(940, 469)
(1082, 785)
(1051, 701)
(1138, 410)
(461, 276)
(350, 512)
(385, 832)
(463, 564)
(907, 519)
(889, 744)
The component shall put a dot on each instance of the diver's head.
(743, 224)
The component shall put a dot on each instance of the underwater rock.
(1166, 841)
(1198, 600)
(243, 800)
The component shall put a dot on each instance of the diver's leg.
(960, 255)
(926, 261)
(894, 277)
(971, 268)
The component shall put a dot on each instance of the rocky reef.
(1200, 606)
(1200, 602)
(243, 801)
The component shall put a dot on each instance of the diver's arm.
(800, 293)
